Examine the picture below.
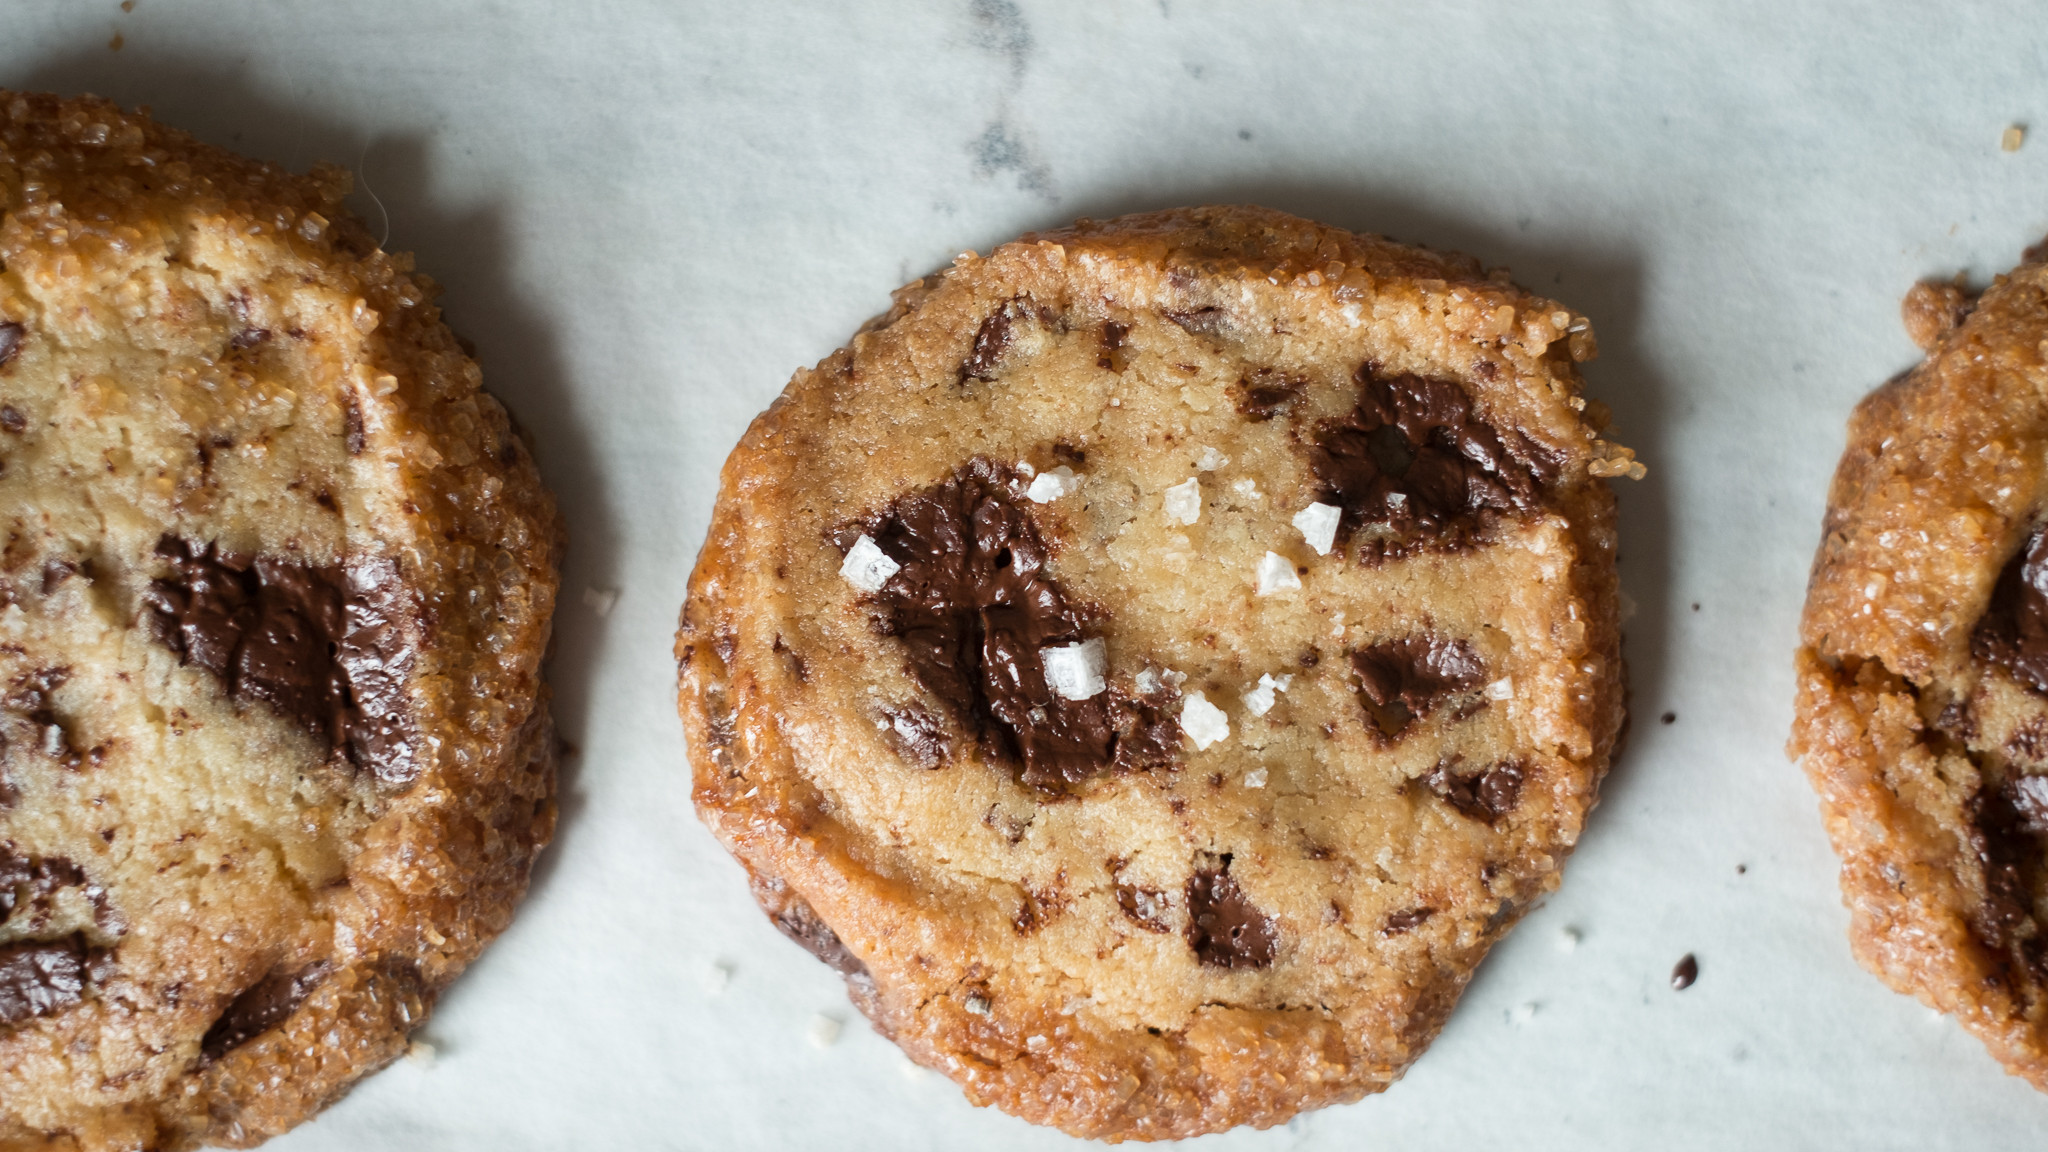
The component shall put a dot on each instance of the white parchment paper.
(647, 213)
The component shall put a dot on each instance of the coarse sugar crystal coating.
(1130, 802)
(1922, 713)
(275, 755)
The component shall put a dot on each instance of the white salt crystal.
(1256, 778)
(1052, 485)
(825, 1031)
(1318, 525)
(1259, 700)
(1203, 722)
(867, 567)
(1075, 670)
(1276, 574)
(1210, 459)
(1524, 1015)
(1183, 501)
(1247, 488)
(1147, 682)
(1025, 469)
(1501, 689)
(1568, 940)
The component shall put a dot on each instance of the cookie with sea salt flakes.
(1922, 713)
(275, 756)
(1153, 663)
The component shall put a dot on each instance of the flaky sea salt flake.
(1318, 525)
(1203, 722)
(825, 1030)
(867, 567)
(1052, 485)
(1183, 501)
(1210, 459)
(1074, 671)
(1276, 574)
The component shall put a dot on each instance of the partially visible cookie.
(1155, 662)
(275, 756)
(1923, 675)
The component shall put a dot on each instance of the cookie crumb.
(1203, 722)
(1628, 606)
(913, 1071)
(825, 1030)
(1276, 575)
(119, 41)
(1668, 718)
(600, 600)
(867, 567)
(2011, 139)
(1183, 501)
(1317, 524)
(1685, 972)
(420, 1052)
(717, 977)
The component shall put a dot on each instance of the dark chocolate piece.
(26, 881)
(45, 730)
(248, 338)
(38, 978)
(992, 339)
(1401, 680)
(1414, 458)
(974, 606)
(2013, 632)
(1263, 394)
(1686, 971)
(1198, 321)
(1406, 920)
(1485, 796)
(799, 921)
(12, 420)
(1113, 357)
(264, 1006)
(11, 335)
(1225, 928)
(917, 736)
(327, 649)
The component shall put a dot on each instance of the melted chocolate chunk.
(2013, 632)
(1406, 920)
(34, 722)
(974, 606)
(1685, 972)
(41, 977)
(248, 338)
(326, 649)
(1414, 458)
(1263, 394)
(1225, 928)
(12, 420)
(1485, 796)
(2009, 848)
(11, 335)
(1401, 680)
(270, 1002)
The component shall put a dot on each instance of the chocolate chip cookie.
(1923, 675)
(275, 756)
(1154, 662)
